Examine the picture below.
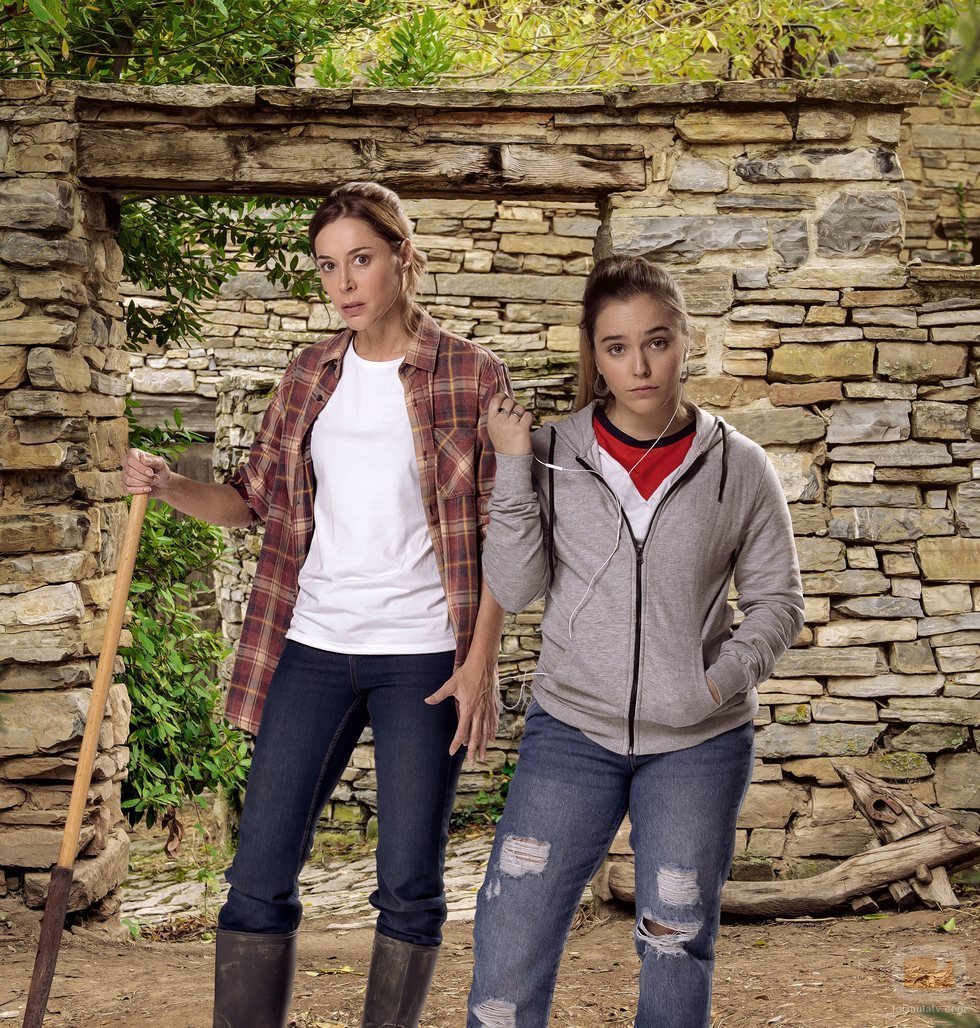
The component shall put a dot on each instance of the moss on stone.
(807, 867)
(797, 714)
(900, 765)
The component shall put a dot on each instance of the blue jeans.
(565, 804)
(318, 704)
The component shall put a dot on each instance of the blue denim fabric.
(317, 707)
(565, 804)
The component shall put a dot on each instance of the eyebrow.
(648, 332)
(350, 253)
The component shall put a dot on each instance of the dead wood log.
(895, 814)
(831, 890)
(902, 893)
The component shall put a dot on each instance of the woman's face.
(640, 353)
(360, 273)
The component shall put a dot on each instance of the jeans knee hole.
(523, 856)
(496, 1013)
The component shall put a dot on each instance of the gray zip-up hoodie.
(656, 620)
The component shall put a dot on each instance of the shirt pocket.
(455, 461)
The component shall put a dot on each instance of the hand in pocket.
(713, 689)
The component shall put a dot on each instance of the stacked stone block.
(939, 149)
(941, 155)
(886, 672)
(62, 436)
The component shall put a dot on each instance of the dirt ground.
(834, 973)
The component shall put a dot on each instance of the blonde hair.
(380, 208)
(619, 278)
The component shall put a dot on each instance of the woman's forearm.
(218, 504)
(485, 644)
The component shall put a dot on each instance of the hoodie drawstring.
(724, 461)
(551, 501)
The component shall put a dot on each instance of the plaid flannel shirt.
(448, 383)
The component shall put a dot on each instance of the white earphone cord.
(619, 519)
(619, 504)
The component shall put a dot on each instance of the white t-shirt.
(639, 512)
(370, 583)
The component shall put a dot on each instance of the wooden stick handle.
(103, 679)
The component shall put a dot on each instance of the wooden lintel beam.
(249, 162)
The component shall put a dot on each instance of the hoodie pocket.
(675, 690)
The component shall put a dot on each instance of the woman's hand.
(146, 473)
(713, 689)
(509, 425)
(474, 688)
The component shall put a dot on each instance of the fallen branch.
(895, 814)
(831, 890)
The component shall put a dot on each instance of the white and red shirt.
(639, 471)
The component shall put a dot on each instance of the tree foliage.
(184, 248)
(602, 42)
(156, 42)
(180, 746)
(966, 62)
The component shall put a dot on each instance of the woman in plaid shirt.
(372, 472)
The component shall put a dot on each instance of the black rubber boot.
(253, 979)
(398, 983)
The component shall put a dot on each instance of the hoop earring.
(599, 387)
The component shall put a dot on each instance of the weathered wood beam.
(857, 876)
(248, 162)
(894, 813)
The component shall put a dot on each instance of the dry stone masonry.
(782, 208)
(63, 376)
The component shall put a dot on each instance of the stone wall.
(939, 150)
(940, 153)
(779, 205)
(62, 437)
(860, 383)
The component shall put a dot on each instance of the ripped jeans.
(565, 804)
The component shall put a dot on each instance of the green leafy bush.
(488, 806)
(180, 745)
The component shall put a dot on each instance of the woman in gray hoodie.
(631, 516)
